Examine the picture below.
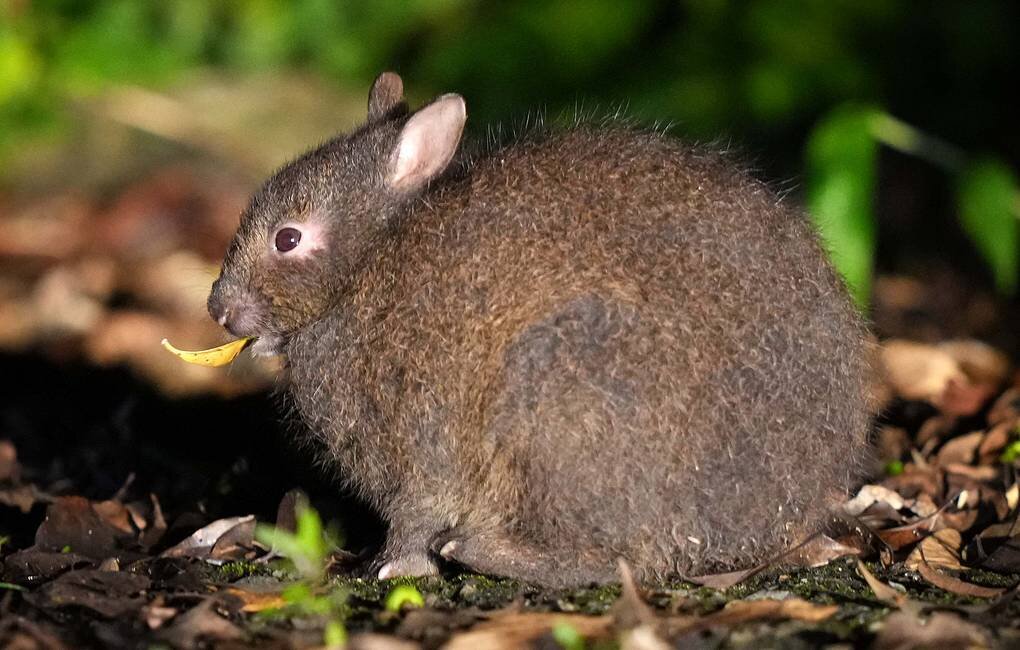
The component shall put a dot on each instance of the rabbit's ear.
(387, 94)
(427, 143)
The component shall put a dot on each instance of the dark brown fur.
(588, 344)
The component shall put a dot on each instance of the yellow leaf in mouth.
(218, 356)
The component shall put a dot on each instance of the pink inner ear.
(313, 239)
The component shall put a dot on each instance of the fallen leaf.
(369, 641)
(22, 497)
(960, 449)
(642, 637)
(871, 494)
(108, 593)
(1006, 408)
(994, 441)
(630, 610)
(918, 371)
(154, 528)
(821, 550)
(33, 565)
(796, 609)
(201, 542)
(116, 515)
(882, 591)
(981, 362)
(941, 548)
(997, 548)
(904, 631)
(519, 630)
(155, 616)
(73, 522)
(235, 543)
(9, 469)
(974, 473)
(903, 536)
(963, 398)
(19, 633)
(201, 622)
(955, 585)
(255, 601)
(723, 581)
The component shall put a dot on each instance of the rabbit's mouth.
(268, 345)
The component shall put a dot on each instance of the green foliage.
(403, 595)
(567, 636)
(841, 162)
(989, 203)
(308, 548)
(1011, 452)
(894, 468)
(842, 167)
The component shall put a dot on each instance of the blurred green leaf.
(402, 595)
(567, 636)
(19, 68)
(841, 160)
(988, 195)
(335, 635)
(307, 547)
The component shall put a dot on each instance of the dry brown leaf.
(1006, 408)
(960, 449)
(156, 615)
(370, 641)
(201, 542)
(963, 398)
(962, 521)
(74, 522)
(994, 441)
(254, 601)
(941, 548)
(108, 593)
(974, 473)
(918, 371)
(517, 630)
(955, 585)
(903, 536)
(871, 494)
(981, 362)
(723, 581)
(643, 637)
(235, 543)
(882, 591)
(116, 515)
(200, 622)
(22, 497)
(821, 550)
(796, 609)
(745, 611)
(905, 631)
(9, 469)
(630, 610)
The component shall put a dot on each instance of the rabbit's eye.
(287, 239)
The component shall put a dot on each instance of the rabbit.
(536, 357)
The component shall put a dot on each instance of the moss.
(234, 571)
